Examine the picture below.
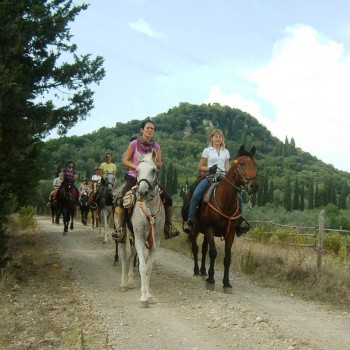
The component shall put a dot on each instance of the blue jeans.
(198, 195)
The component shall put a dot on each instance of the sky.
(287, 63)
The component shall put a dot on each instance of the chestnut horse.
(217, 216)
(95, 217)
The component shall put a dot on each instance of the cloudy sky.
(287, 63)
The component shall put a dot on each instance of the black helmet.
(70, 161)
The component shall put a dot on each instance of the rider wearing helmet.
(106, 167)
(69, 175)
(84, 187)
(97, 176)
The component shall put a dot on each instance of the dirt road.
(186, 316)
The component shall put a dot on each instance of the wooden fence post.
(320, 239)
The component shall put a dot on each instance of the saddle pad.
(209, 192)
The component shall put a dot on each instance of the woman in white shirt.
(215, 160)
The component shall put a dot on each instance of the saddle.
(209, 192)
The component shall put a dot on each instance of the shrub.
(26, 215)
(333, 242)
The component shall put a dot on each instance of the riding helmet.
(70, 161)
(86, 179)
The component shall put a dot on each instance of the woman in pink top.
(144, 144)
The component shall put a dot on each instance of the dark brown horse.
(84, 207)
(55, 209)
(217, 217)
(67, 196)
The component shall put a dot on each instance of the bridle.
(151, 186)
(245, 178)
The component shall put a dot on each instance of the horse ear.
(154, 154)
(241, 150)
(138, 155)
(253, 151)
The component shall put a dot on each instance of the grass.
(38, 296)
(270, 262)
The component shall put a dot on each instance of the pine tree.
(296, 195)
(287, 202)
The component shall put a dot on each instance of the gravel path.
(186, 315)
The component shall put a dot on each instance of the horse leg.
(123, 284)
(105, 225)
(212, 257)
(116, 255)
(204, 255)
(71, 217)
(65, 218)
(148, 276)
(227, 262)
(195, 255)
(143, 272)
(58, 214)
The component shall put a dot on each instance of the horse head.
(147, 175)
(244, 170)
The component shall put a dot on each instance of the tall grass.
(287, 259)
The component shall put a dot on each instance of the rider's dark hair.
(146, 121)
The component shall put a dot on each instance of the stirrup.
(93, 205)
(118, 234)
(171, 231)
(188, 227)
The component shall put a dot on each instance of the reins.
(154, 192)
(150, 217)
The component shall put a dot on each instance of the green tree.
(302, 198)
(287, 202)
(44, 84)
(296, 204)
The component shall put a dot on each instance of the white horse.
(147, 221)
(105, 204)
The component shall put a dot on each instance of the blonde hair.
(217, 131)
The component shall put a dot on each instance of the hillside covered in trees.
(288, 176)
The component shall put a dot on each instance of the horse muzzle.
(253, 186)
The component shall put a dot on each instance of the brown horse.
(95, 217)
(217, 217)
(67, 197)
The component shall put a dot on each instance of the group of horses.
(67, 200)
(216, 216)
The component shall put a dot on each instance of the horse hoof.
(228, 290)
(131, 285)
(65, 233)
(151, 300)
(144, 303)
(123, 288)
(210, 286)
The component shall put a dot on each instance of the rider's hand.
(213, 168)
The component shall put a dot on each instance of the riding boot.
(170, 230)
(118, 233)
(242, 226)
(188, 226)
